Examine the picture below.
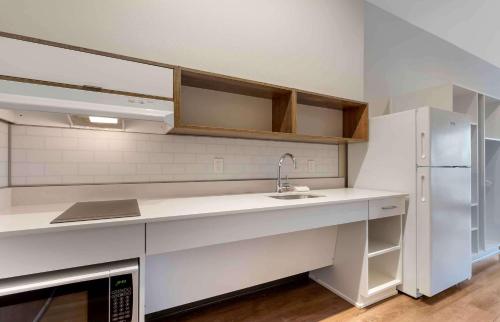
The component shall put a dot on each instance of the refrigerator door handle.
(422, 147)
(422, 189)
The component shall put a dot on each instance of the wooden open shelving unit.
(216, 105)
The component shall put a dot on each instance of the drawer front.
(37, 253)
(168, 236)
(47, 63)
(386, 207)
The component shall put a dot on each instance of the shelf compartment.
(324, 115)
(384, 235)
(465, 101)
(492, 119)
(217, 101)
(383, 272)
(216, 105)
(377, 247)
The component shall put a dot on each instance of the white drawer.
(386, 207)
(37, 253)
(41, 62)
(169, 236)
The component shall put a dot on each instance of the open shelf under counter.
(384, 272)
(379, 282)
(379, 247)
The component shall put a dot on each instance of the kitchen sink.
(292, 197)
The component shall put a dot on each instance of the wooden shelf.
(210, 104)
(261, 135)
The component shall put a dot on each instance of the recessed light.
(103, 120)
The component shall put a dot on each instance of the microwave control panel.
(120, 305)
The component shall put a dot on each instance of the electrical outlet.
(218, 165)
(311, 166)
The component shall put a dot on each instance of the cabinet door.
(47, 63)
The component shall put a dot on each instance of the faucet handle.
(286, 185)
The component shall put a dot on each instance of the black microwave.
(99, 293)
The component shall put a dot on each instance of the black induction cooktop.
(95, 210)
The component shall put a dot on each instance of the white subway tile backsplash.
(216, 148)
(77, 179)
(108, 156)
(135, 157)
(148, 168)
(161, 157)
(184, 158)
(23, 169)
(122, 169)
(74, 156)
(4, 154)
(92, 144)
(89, 169)
(43, 180)
(43, 131)
(52, 169)
(59, 143)
(43, 156)
(122, 145)
(28, 142)
(18, 155)
(173, 168)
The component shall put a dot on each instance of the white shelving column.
(491, 190)
(467, 102)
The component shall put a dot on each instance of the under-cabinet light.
(103, 120)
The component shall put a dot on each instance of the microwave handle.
(48, 280)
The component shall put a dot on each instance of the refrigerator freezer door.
(443, 138)
(443, 226)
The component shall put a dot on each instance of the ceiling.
(473, 26)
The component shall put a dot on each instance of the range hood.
(82, 104)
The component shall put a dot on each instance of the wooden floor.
(475, 300)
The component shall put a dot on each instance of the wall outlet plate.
(218, 165)
(311, 166)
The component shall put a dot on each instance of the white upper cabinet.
(47, 63)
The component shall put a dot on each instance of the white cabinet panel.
(179, 278)
(37, 253)
(168, 236)
(41, 62)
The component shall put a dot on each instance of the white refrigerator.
(426, 153)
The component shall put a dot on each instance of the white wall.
(471, 25)
(309, 44)
(401, 58)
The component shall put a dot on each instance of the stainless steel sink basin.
(292, 197)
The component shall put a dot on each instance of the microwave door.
(76, 302)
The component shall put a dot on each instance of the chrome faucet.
(285, 186)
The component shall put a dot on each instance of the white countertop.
(21, 220)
